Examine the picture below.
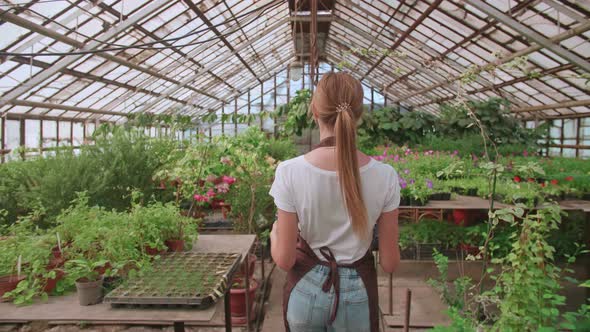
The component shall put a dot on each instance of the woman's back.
(307, 186)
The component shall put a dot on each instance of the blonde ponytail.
(338, 103)
(348, 171)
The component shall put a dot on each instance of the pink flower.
(228, 179)
(525, 153)
(396, 158)
(210, 193)
(201, 198)
(222, 188)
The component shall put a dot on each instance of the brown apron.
(306, 259)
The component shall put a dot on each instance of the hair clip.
(342, 107)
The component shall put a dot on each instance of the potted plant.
(89, 282)
(238, 299)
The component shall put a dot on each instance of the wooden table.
(65, 309)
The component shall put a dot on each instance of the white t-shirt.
(314, 194)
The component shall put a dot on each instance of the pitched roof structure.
(82, 59)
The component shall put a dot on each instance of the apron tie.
(332, 280)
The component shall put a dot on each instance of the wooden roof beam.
(204, 18)
(531, 34)
(405, 35)
(556, 39)
(64, 62)
(468, 38)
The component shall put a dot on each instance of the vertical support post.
(313, 33)
(372, 99)
(578, 125)
(391, 294)
(41, 138)
(210, 134)
(22, 142)
(2, 138)
(274, 106)
(261, 106)
(408, 308)
(249, 120)
(548, 141)
(288, 83)
(247, 280)
(222, 121)
(561, 138)
(227, 308)
(236, 116)
(57, 133)
(302, 73)
(72, 133)
(178, 326)
(84, 132)
(384, 99)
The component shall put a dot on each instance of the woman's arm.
(283, 240)
(388, 241)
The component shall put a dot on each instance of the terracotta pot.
(251, 261)
(175, 245)
(50, 284)
(89, 292)
(56, 252)
(460, 217)
(102, 269)
(8, 284)
(55, 263)
(153, 251)
(238, 301)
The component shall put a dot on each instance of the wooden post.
(22, 142)
(288, 83)
(408, 308)
(222, 122)
(391, 294)
(275, 106)
(578, 125)
(72, 133)
(249, 122)
(561, 138)
(384, 99)
(41, 137)
(2, 138)
(261, 106)
(372, 99)
(236, 116)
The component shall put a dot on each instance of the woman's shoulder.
(383, 168)
(290, 163)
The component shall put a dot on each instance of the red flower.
(554, 182)
(543, 184)
(569, 178)
(517, 178)
(531, 180)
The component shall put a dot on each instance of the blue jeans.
(309, 307)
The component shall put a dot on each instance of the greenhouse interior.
(142, 145)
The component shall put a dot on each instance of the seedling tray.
(184, 279)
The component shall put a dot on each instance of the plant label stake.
(58, 242)
(18, 265)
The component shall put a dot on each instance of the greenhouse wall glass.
(175, 162)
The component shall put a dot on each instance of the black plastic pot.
(458, 190)
(404, 201)
(417, 202)
(440, 197)
(408, 253)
